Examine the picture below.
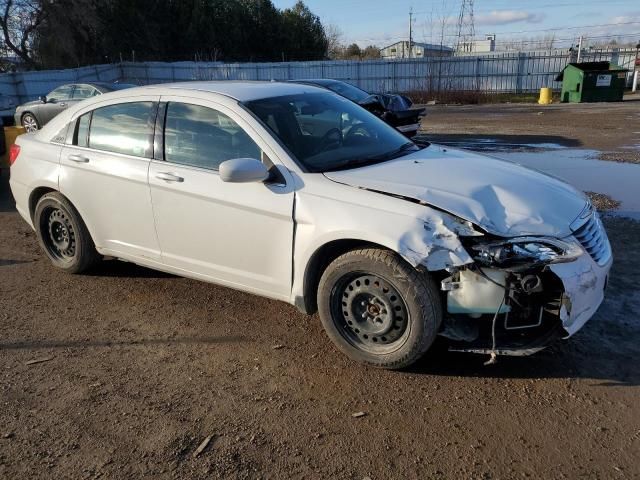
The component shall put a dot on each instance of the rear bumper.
(7, 113)
(408, 130)
(21, 196)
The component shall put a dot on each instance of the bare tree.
(19, 20)
(335, 46)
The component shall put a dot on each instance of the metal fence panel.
(514, 72)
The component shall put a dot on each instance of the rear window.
(84, 91)
(125, 128)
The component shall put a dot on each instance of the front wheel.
(63, 235)
(378, 309)
(30, 122)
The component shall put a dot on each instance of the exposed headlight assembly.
(525, 251)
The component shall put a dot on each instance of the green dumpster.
(592, 82)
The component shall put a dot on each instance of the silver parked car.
(33, 115)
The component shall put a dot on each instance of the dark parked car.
(392, 108)
(33, 115)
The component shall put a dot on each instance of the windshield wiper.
(400, 151)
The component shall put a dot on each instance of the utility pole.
(410, 30)
(580, 49)
(636, 70)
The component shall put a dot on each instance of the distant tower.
(466, 28)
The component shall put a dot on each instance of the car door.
(57, 101)
(104, 169)
(237, 234)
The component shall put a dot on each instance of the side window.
(81, 136)
(83, 91)
(123, 128)
(60, 93)
(203, 137)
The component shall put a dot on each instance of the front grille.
(593, 238)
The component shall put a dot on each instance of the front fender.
(419, 234)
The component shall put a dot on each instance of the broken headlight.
(525, 251)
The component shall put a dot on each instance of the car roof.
(109, 85)
(317, 81)
(231, 91)
(242, 91)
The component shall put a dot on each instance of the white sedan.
(295, 193)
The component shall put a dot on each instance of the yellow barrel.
(10, 134)
(545, 96)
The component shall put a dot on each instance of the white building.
(478, 46)
(418, 50)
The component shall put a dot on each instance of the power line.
(538, 7)
(571, 28)
(559, 39)
(566, 39)
(556, 29)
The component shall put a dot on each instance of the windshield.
(349, 91)
(326, 132)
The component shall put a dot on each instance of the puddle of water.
(493, 145)
(580, 168)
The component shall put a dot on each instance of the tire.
(30, 122)
(63, 235)
(378, 309)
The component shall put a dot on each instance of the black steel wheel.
(63, 235)
(369, 312)
(61, 239)
(378, 309)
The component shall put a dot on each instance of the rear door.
(238, 234)
(104, 174)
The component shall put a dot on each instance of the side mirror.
(43, 98)
(243, 170)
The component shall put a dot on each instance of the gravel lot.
(136, 368)
(612, 128)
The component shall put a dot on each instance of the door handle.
(62, 104)
(169, 177)
(78, 158)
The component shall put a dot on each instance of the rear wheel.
(378, 309)
(63, 235)
(30, 122)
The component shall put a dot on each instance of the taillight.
(14, 151)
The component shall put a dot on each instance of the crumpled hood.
(502, 197)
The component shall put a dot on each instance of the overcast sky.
(382, 22)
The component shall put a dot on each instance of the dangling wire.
(494, 356)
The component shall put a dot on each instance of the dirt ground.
(612, 128)
(137, 368)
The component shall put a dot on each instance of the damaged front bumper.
(584, 282)
(523, 311)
